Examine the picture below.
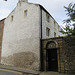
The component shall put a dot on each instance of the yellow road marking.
(10, 71)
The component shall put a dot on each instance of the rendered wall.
(21, 38)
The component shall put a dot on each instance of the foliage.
(70, 21)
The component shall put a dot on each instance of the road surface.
(9, 72)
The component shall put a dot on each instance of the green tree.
(70, 21)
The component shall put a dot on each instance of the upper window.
(54, 34)
(12, 18)
(47, 32)
(54, 24)
(58, 35)
(48, 17)
(58, 27)
(25, 13)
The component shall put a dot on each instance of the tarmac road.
(9, 72)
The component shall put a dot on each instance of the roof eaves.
(2, 19)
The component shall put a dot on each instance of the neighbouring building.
(1, 34)
(29, 39)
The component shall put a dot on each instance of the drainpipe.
(41, 51)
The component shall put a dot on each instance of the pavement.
(53, 73)
(9, 72)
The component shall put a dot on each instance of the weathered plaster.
(27, 60)
(22, 35)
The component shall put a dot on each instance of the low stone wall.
(69, 54)
(65, 53)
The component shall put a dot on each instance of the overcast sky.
(54, 7)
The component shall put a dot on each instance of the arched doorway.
(51, 56)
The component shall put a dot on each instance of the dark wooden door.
(52, 60)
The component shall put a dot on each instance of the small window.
(54, 24)
(12, 18)
(58, 35)
(54, 34)
(47, 32)
(25, 13)
(48, 17)
(58, 27)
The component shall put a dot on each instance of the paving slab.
(53, 73)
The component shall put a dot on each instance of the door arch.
(51, 56)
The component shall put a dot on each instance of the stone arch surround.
(58, 43)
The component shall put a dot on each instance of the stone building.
(25, 28)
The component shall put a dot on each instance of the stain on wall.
(27, 60)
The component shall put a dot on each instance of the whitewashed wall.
(21, 38)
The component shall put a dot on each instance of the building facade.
(24, 29)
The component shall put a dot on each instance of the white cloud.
(6, 7)
(55, 7)
(4, 13)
